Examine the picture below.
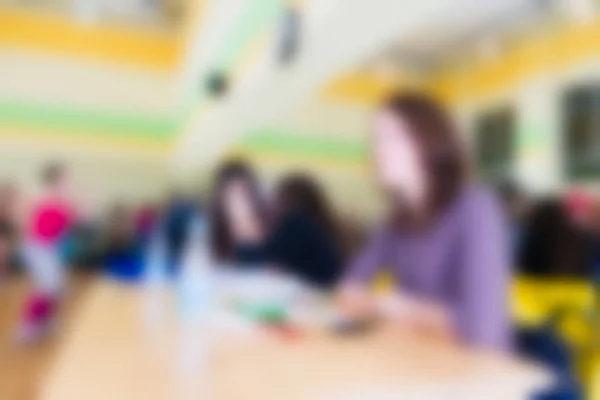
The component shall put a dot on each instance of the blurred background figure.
(50, 219)
(9, 229)
(595, 233)
(237, 211)
(122, 249)
(555, 244)
(146, 220)
(176, 217)
(516, 208)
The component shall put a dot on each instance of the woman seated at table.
(304, 239)
(236, 210)
(444, 240)
(300, 238)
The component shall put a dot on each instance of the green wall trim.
(303, 144)
(86, 122)
(257, 18)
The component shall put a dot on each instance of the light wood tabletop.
(118, 350)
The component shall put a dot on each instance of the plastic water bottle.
(195, 298)
(156, 279)
(156, 261)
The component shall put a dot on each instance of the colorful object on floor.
(126, 266)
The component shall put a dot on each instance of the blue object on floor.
(125, 266)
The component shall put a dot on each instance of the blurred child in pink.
(50, 218)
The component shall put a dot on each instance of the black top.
(553, 246)
(299, 246)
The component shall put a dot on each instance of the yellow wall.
(101, 174)
(142, 48)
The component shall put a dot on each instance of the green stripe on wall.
(55, 117)
(259, 16)
(298, 144)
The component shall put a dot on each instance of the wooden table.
(119, 351)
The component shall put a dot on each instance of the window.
(494, 144)
(582, 131)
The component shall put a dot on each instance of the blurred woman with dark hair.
(555, 246)
(304, 239)
(236, 210)
(445, 240)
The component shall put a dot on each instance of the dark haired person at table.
(445, 239)
(303, 240)
(236, 210)
(555, 246)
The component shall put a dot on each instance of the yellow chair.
(595, 379)
(534, 300)
(572, 304)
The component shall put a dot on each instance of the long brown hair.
(438, 143)
(221, 239)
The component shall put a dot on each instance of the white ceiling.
(336, 38)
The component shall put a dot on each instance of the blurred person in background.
(236, 211)
(51, 218)
(9, 230)
(146, 220)
(516, 208)
(303, 239)
(595, 232)
(555, 244)
(445, 239)
(175, 224)
(122, 254)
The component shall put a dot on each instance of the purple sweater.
(462, 262)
